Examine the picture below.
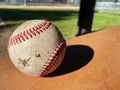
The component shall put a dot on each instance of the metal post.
(85, 17)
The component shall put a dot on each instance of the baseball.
(36, 47)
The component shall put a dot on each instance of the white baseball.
(36, 47)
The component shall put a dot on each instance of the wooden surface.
(92, 62)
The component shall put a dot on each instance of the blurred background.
(62, 13)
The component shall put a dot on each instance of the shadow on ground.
(77, 56)
(15, 17)
(27, 14)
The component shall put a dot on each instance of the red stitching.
(32, 31)
(52, 59)
(19, 39)
(22, 37)
(16, 39)
(36, 29)
(29, 33)
(24, 34)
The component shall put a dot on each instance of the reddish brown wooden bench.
(92, 62)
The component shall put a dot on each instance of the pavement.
(4, 37)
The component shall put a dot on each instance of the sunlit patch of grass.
(65, 20)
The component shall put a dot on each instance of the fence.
(108, 7)
(40, 1)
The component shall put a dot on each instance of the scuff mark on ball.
(37, 55)
(24, 62)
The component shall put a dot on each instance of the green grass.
(111, 11)
(102, 21)
(65, 20)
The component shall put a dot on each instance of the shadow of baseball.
(76, 57)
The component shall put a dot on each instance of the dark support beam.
(85, 17)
